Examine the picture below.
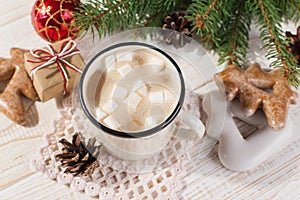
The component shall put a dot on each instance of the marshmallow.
(124, 70)
(111, 122)
(143, 90)
(157, 65)
(154, 60)
(137, 84)
(119, 92)
(140, 87)
(153, 121)
(148, 122)
(157, 115)
(109, 61)
(133, 100)
(110, 106)
(156, 97)
(125, 57)
(169, 96)
(100, 114)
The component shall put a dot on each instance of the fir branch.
(108, 16)
(149, 19)
(224, 25)
(294, 9)
(159, 9)
(288, 9)
(235, 34)
(200, 19)
(100, 15)
(274, 40)
(205, 18)
(296, 4)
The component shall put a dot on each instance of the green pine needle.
(226, 24)
(223, 25)
(235, 35)
(108, 16)
(274, 39)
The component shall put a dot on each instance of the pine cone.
(78, 158)
(294, 47)
(176, 21)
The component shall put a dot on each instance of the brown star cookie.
(255, 87)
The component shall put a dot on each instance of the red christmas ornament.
(52, 19)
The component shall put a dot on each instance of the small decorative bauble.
(53, 19)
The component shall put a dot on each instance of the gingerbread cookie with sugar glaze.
(251, 87)
(13, 71)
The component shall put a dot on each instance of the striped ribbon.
(47, 57)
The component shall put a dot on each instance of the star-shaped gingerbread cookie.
(256, 88)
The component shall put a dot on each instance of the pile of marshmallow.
(137, 91)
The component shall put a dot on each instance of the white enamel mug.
(134, 145)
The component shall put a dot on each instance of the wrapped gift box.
(48, 79)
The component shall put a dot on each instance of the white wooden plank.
(38, 186)
(207, 179)
(11, 10)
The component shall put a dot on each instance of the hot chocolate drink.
(137, 91)
(132, 93)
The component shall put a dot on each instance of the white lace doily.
(173, 151)
(106, 182)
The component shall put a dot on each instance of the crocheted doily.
(106, 182)
(171, 153)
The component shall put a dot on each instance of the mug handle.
(196, 127)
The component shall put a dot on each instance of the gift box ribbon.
(47, 57)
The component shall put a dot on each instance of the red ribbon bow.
(67, 49)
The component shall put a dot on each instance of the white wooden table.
(277, 178)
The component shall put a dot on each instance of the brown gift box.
(48, 81)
